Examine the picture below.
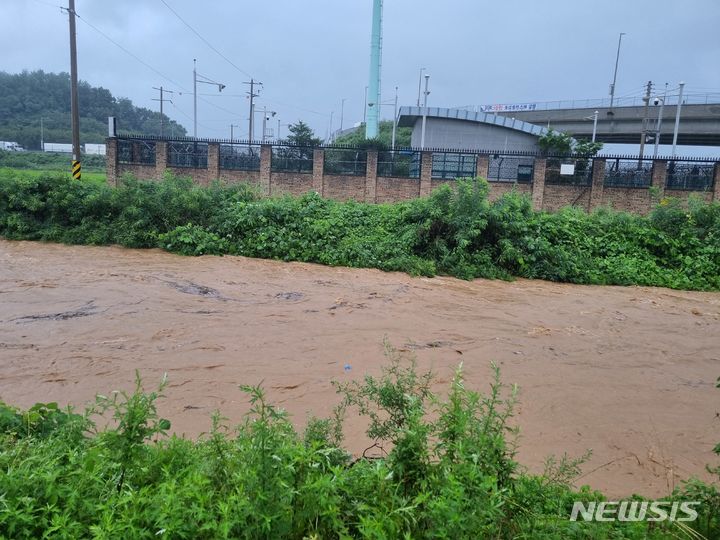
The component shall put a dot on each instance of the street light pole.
(595, 118)
(424, 118)
(617, 61)
(420, 85)
(659, 121)
(677, 118)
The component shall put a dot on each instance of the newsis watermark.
(634, 511)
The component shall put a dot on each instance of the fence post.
(213, 163)
(483, 166)
(716, 182)
(161, 158)
(265, 162)
(318, 182)
(538, 183)
(659, 177)
(597, 183)
(111, 145)
(371, 176)
(425, 174)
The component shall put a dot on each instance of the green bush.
(455, 231)
(447, 469)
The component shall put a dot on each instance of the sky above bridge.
(311, 55)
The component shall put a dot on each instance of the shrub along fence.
(342, 173)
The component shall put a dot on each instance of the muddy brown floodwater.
(625, 371)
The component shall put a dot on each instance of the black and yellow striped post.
(76, 170)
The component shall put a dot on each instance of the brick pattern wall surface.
(684, 195)
(397, 189)
(635, 200)
(234, 176)
(556, 197)
(290, 183)
(498, 189)
(343, 188)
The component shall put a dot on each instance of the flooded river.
(627, 372)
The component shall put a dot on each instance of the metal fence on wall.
(241, 157)
(136, 152)
(502, 168)
(345, 162)
(292, 159)
(399, 164)
(632, 173)
(453, 165)
(690, 175)
(573, 172)
(187, 154)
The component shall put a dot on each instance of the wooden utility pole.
(74, 104)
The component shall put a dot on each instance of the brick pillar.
(483, 166)
(597, 183)
(716, 189)
(425, 174)
(161, 158)
(265, 175)
(659, 176)
(213, 163)
(371, 177)
(538, 184)
(318, 171)
(111, 145)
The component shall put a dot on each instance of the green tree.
(302, 135)
(384, 138)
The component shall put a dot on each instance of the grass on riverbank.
(456, 232)
(453, 477)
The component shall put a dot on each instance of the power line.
(205, 40)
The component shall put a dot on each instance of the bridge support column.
(538, 183)
(597, 184)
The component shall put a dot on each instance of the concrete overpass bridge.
(699, 123)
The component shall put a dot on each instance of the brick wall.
(371, 188)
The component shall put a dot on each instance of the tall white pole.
(595, 117)
(264, 122)
(420, 85)
(617, 60)
(194, 98)
(659, 122)
(373, 105)
(677, 118)
(424, 117)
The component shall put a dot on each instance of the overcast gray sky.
(313, 53)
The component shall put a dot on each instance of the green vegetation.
(454, 231)
(27, 97)
(555, 142)
(452, 477)
(383, 140)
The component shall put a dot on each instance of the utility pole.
(74, 103)
(278, 131)
(252, 95)
(643, 134)
(330, 130)
(162, 100)
(394, 119)
(420, 85)
(595, 117)
(659, 121)
(342, 112)
(42, 136)
(677, 118)
(194, 98)
(232, 135)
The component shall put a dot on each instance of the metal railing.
(136, 152)
(240, 157)
(297, 159)
(453, 165)
(345, 162)
(508, 168)
(690, 176)
(632, 173)
(399, 164)
(193, 155)
(569, 172)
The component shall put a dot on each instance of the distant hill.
(27, 97)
